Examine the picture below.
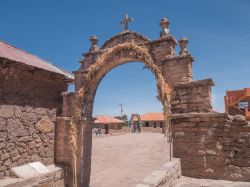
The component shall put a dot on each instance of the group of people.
(97, 131)
(136, 127)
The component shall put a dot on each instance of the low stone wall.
(53, 178)
(166, 176)
(212, 145)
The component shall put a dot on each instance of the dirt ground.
(192, 182)
(124, 160)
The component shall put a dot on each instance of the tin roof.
(10, 52)
(104, 119)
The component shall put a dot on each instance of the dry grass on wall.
(141, 54)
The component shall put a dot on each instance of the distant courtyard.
(124, 160)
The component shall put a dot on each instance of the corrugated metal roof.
(10, 52)
(107, 119)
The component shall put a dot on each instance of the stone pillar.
(165, 27)
(178, 69)
(192, 96)
(183, 46)
(94, 40)
(84, 143)
(68, 103)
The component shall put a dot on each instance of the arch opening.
(130, 84)
(122, 155)
(111, 58)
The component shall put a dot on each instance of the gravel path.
(124, 160)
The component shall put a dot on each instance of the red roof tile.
(10, 52)
(152, 116)
(107, 119)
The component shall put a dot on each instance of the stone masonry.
(192, 97)
(200, 136)
(30, 98)
(175, 70)
(212, 145)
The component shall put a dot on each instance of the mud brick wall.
(192, 97)
(29, 101)
(212, 145)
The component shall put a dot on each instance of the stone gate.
(199, 134)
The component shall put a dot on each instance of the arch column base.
(84, 145)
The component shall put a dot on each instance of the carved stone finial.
(183, 46)
(164, 25)
(126, 21)
(94, 40)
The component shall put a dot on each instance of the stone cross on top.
(126, 21)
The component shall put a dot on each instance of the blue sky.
(58, 31)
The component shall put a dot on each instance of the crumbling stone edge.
(166, 176)
(55, 178)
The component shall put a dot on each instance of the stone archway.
(111, 58)
(173, 74)
(115, 56)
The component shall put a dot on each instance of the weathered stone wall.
(29, 101)
(166, 176)
(54, 177)
(178, 69)
(125, 37)
(192, 97)
(159, 49)
(68, 104)
(212, 145)
(162, 48)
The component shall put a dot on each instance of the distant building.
(238, 102)
(152, 119)
(107, 122)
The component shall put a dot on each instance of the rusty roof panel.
(10, 52)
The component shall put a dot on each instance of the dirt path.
(192, 182)
(124, 160)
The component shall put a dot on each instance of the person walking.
(95, 131)
(139, 127)
(134, 126)
(99, 131)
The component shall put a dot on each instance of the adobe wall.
(117, 126)
(153, 124)
(29, 101)
(212, 145)
(143, 129)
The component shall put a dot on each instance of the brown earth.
(124, 160)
